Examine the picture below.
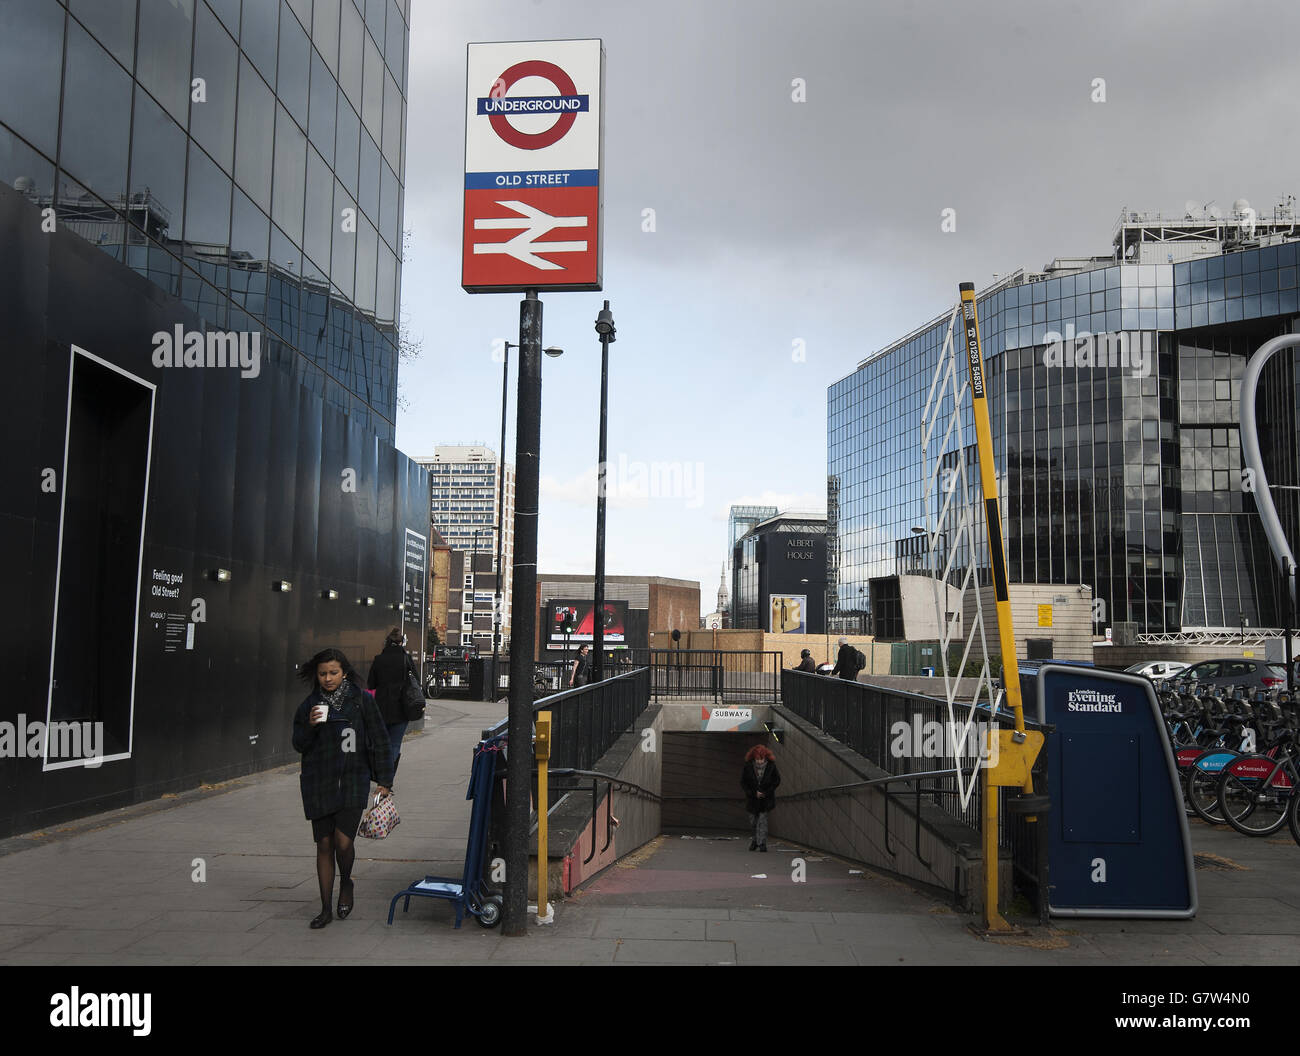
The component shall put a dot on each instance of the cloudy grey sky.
(818, 222)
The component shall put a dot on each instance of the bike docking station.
(1118, 844)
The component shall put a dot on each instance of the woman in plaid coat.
(344, 744)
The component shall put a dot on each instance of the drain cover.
(1214, 861)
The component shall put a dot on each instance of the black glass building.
(1119, 468)
(780, 573)
(201, 215)
(247, 159)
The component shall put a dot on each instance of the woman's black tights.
(334, 847)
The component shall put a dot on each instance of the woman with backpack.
(390, 673)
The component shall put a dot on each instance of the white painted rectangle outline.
(58, 571)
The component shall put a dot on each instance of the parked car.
(1237, 671)
(1157, 670)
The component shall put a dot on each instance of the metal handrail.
(615, 783)
(543, 703)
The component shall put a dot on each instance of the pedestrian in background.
(340, 734)
(759, 779)
(806, 662)
(846, 662)
(389, 673)
(581, 666)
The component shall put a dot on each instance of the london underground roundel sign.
(533, 151)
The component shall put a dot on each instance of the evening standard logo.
(533, 104)
(1092, 700)
(76, 1009)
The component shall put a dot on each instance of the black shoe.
(763, 847)
(753, 845)
(321, 919)
(345, 908)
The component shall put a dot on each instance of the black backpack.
(860, 659)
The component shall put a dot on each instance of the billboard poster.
(789, 614)
(584, 622)
(534, 134)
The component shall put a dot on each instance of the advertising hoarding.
(584, 623)
(789, 614)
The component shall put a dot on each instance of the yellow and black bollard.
(1015, 750)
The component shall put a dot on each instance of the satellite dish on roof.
(1214, 212)
(1191, 209)
(1240, 206)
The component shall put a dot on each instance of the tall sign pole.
(523, 600)
(1015, 751)
(534, 134)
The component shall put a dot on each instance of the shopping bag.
(380, 817)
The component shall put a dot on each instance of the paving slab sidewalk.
(121, 888)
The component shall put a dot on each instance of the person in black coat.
(846, 662)
(389, 674)
(580, 673)
(759, 779)
(806, 662)
(341, 736)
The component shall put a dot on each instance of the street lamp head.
(554, 352)
(605, 323)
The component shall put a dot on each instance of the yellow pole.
(542, 749)
(992, 518)
(990, 781)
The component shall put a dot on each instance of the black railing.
(748, 676)
(585, 722)
(903, 733)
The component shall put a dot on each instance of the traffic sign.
(534, 134)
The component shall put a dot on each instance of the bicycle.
(1255, 790)
(1293, 818)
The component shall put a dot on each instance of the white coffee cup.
(319, 713)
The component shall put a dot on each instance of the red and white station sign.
(534, 124)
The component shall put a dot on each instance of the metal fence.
(739, 676)
(585, 722)
(455, 677)
(903, 733)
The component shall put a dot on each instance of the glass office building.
(201, 217)
(245, 158)
(1119, 468)
(740, 521)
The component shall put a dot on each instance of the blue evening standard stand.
(1118, 843)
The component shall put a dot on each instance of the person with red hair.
(759, 779)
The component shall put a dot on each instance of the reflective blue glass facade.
(246, 158)
(1121, 470)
